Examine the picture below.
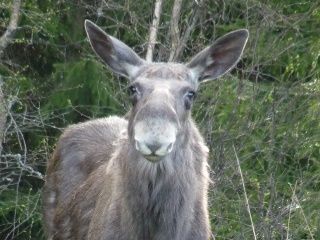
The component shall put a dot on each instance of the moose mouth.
(153, 158)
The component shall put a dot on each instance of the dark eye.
(132, 90)
(188, 98)
(191, 95)
(134, 94)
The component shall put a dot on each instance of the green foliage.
(266, 113)
(85, 86)
(279, 157)
(20, 215)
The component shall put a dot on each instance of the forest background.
(261, 121)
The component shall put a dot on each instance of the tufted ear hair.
(117, 55)
(220, 57)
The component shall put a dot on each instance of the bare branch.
(25, 167)
(154, 30)
(245, 193)
(178, 44)
(186, 35)
(175, 38)
(8, 35)
(3, 116)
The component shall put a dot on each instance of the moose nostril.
(169, 148)
(153, 147)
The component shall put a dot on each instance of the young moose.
(145, 178)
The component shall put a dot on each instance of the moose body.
(145, 178)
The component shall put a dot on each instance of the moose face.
(162, 93)
(162, 96)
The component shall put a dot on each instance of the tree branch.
(8, 35)
(186, 35)
(154, 30)
(245, 193)
(3, 116)
(174, 28)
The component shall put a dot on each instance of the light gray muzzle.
(154, 138)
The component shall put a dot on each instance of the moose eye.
(189, 97)
(132, 90)
(134, 93)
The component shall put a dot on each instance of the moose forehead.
(170, 74)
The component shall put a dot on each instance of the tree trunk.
(154, 30)
(174, 28)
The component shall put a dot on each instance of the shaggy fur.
(126, 197)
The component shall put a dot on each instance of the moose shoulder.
(145, 178)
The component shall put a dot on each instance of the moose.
(145, 176)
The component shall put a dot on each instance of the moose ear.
(219, 58)
(119, 57)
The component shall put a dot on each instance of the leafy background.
(261, 121)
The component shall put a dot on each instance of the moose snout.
(154, 138)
